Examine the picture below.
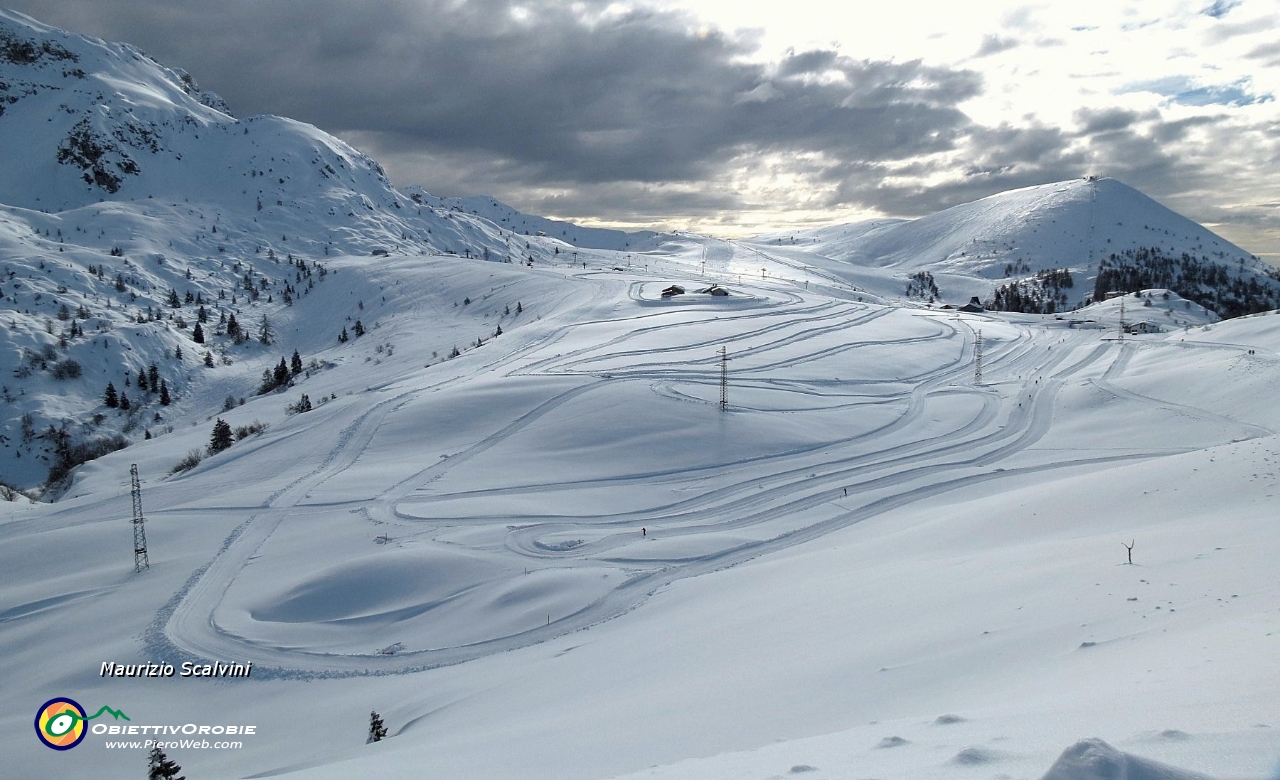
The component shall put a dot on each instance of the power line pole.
(977, 361)
(1122, 318)
(140, 561)
(724, 380)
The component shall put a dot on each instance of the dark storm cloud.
(1224, 31)
(645, 204)
(569, 94)
(581, 111)
(1140, 149)
(809, 62)
(1269, 53)
(1177, 130)
(995, 159)
(1107, 120)
(994, 44)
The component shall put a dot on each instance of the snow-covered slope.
(1146, 311)
(530, 225)
(122, 181)
(85, 121)
(869, 565)
(1076, 225)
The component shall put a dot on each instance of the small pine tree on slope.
(222, 437)
(377, 729)
(161, 767)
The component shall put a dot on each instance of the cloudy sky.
(736, 116)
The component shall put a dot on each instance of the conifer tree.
(110, 398)
(282, 373)
(197, 335)
(267, 334)
(359, 329)
(161, 767)
(208, 359)
(124, 402)
(222, 436)
(342, 337)
(164, 393)
(153, 376)
(142, 380)
(233, 327)
(377, 729)
(295, 363)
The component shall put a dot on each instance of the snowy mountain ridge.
(86, 121)
(527, 224)
(1082, 226)
(125, 184)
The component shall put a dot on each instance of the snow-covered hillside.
(122, 182)
(1082, 226)
(870, 564)
(85, 121)
(531, 225)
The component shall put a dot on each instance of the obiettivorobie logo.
(60, 722)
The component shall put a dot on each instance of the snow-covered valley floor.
(555, 556)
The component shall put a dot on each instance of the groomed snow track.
(751, 506)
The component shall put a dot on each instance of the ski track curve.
(1016, 410)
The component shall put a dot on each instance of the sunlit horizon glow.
(1042, 64)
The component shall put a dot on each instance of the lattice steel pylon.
(140, 561)
(977, 360)
(724, 380)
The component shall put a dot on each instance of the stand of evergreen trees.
(921, 285)
(1206, 282)
(1041, 294)
(281, 375)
